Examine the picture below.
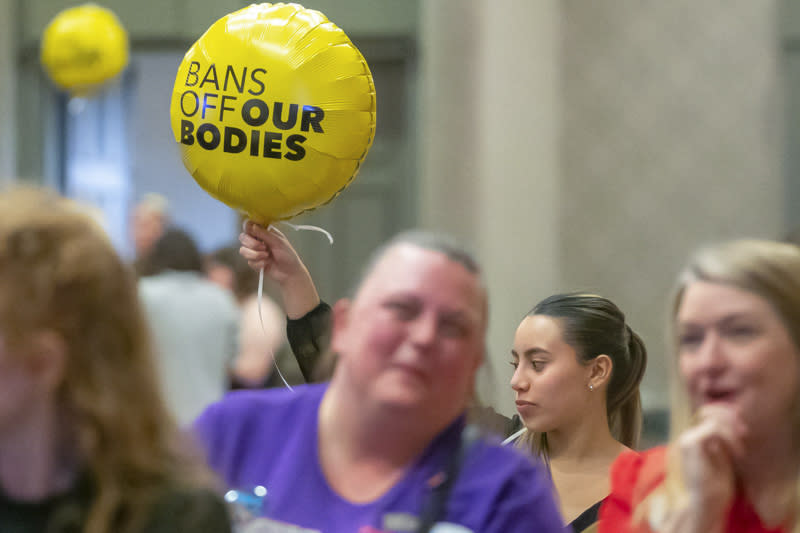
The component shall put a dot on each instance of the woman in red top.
(734, 461)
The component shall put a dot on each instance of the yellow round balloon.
(274, 110)
(83, 47)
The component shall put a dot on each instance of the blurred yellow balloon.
(274, 110)
(84, 47)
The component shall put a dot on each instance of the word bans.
(211, 78)
(235, 140)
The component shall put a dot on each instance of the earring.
(591, 387)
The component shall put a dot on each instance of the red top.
(634, 475)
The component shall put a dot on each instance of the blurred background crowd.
(577, 145)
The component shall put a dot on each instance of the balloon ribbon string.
(295, 227)
(261, 319)
(311, 228)
(515, 436)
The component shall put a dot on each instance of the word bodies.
(218, 110)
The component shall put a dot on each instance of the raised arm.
(269, 249)
(309, 320)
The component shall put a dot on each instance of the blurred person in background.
(262, 327)
(577, 370)
(86, 442)
(194, 322)
(388, 431)
(733, 464)
(149, 221)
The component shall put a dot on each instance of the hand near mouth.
(708, 453)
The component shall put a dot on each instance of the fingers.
(260, 232)
(254, 255)
(267, 237)
(258, 260)
(725, 418)
(252, 243)
(275, 238)
(719, 432)
(256, 231)
(258, 266)
(718, 454)
(257, 238)
(253, 249)
(710, 450)
(268, 248)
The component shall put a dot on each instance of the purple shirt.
(269, 438)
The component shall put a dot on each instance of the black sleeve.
(488, 420)
(513, 425)
(309, 336)
(195, 511)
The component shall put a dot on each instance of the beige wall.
(519, 124)
(591, 145)
(671, 138)
(7, 92)
(489, 154)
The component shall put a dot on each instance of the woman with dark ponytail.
(577, 369)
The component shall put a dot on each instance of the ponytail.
(624, 405)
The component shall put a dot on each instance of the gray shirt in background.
(194, 325)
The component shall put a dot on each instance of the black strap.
(586, 518)
(436, 503)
